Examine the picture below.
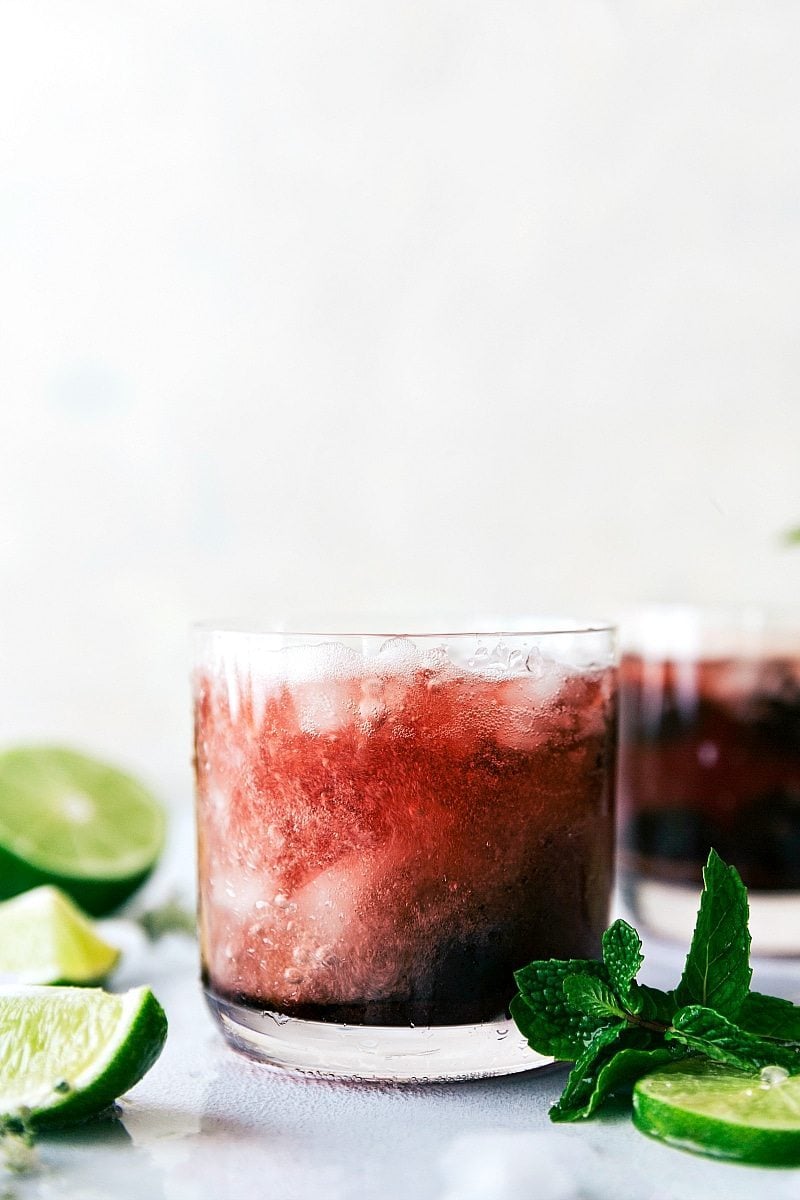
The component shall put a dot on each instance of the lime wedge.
(79, 824)
(712, 1109)
(45, 938)
(68, 1053)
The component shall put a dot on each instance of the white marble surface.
(205, 1124)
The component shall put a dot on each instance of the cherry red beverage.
(710, 756)
(386, 834)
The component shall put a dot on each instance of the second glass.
(388, 828)
(710, 756)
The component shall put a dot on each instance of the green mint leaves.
(542, 1011)
(614, 1029)
(717, 972)
(703, 1030)
(622, 955)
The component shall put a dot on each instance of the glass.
(388, 827)
(710, 756)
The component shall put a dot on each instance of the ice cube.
(236, 889)
(325, 707)
(323, 938)
(399, 655)
(525, 715)
(323, 661)
(334, 919)
(327, 903)
(382, 696)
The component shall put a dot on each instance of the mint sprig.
(615, 1030)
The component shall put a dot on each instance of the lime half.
(68, 1053)
(44, 938)
(716, 1110)
(68, 820)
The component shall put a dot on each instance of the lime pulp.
(46, 939)
(79, 824)
(68, 1053)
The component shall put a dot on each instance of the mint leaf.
(770, 1017)
(622, 1070)
(589, 995)
(622, 954)
(717, 971)
(704, 1030)
(542, 1011)
(614, 1058)
(576, 1099)
(651, 1004)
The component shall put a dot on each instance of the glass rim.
(688, 632)
(564, 627)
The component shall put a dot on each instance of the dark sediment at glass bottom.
(466, 985)
(763, 842)
(395, 1013)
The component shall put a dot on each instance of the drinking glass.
(389, 826)
(710, 756)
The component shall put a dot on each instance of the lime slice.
(68, 1053)
(71, 821)
(44, 938)
(709, 1108)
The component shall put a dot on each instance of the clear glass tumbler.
(710, 756)
(388, 827)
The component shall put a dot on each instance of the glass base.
(429, 1054)
(669, 911)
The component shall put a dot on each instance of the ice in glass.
(389, 827)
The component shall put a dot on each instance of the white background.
(392, 307)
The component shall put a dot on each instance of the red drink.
(385, 837)
(710, 756)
